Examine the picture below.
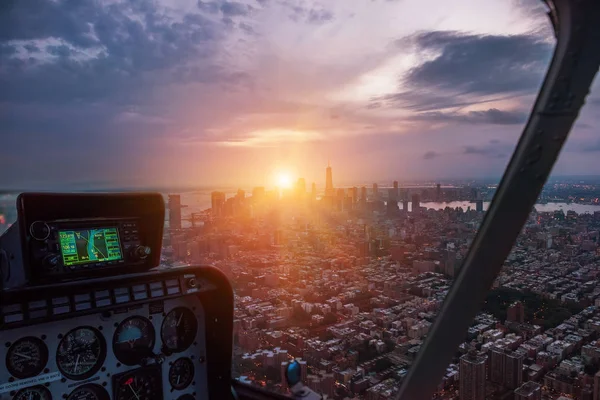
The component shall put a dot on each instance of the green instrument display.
(89, 245)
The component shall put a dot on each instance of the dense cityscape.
(349, 280)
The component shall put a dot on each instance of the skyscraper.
(513, 370)
(375, 192)
(328, 181)
(363, 194)
(174, 211)
(313, 191)
(438, 192)
(472, 376)
(506, 368)
(416, 202)
(217, 204)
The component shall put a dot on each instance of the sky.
(199, 93)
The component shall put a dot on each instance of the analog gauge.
(89, 392)
(80, 353)
(39, 230)
(26, 357)
(134, 340)
(179, 329)
(181, 373)
(186, 397)
(139, 384)
(33, 393)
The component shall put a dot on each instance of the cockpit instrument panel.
(109, 355)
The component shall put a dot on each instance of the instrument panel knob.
(141, 252)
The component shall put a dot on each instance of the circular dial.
(89, 392)
(134, 340)
(26, 357)
(39, 230)
(179, 329)
(140, 384)
(33, 393)
(80, 353)
(181, 373)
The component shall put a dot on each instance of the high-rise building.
(363, 194)
(513, 370)
(375, 192)
(328, 181)
(392, 203)
(516, 312)
(438, 192)
(497, 365)
(416, 202)
(217, 204)
(506, 368)
(354, 194)
(313, 191)
(405, 205)
(175, 211)
(396, 190)
(472, 376)
(529, 391)
(479, 205)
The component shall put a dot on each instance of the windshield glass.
(335, 160)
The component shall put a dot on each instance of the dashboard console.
(149, 336)
(86, 313)
(62, 237)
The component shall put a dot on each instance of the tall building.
(313, 191)
(396, 190)
(363, 194)
(354, 194)
(217, 201)
(479, 205)
(405, 205)
(529, 391)
(174, 211)
(472, 376)
(516, 312)
(506, 368)
(497, 365)
(328, 181)
(513, 370)
(416, 202)
(375, 192)
(438, 192)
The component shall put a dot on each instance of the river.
(200, 200)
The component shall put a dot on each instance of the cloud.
(489, 116)
(311, 14)
(494, 148)
(460, 69)
(430, 155)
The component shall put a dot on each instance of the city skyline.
(224, 93)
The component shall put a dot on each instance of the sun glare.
(284, 180)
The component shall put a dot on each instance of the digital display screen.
(82, 246)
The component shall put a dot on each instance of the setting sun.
(284, 180)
